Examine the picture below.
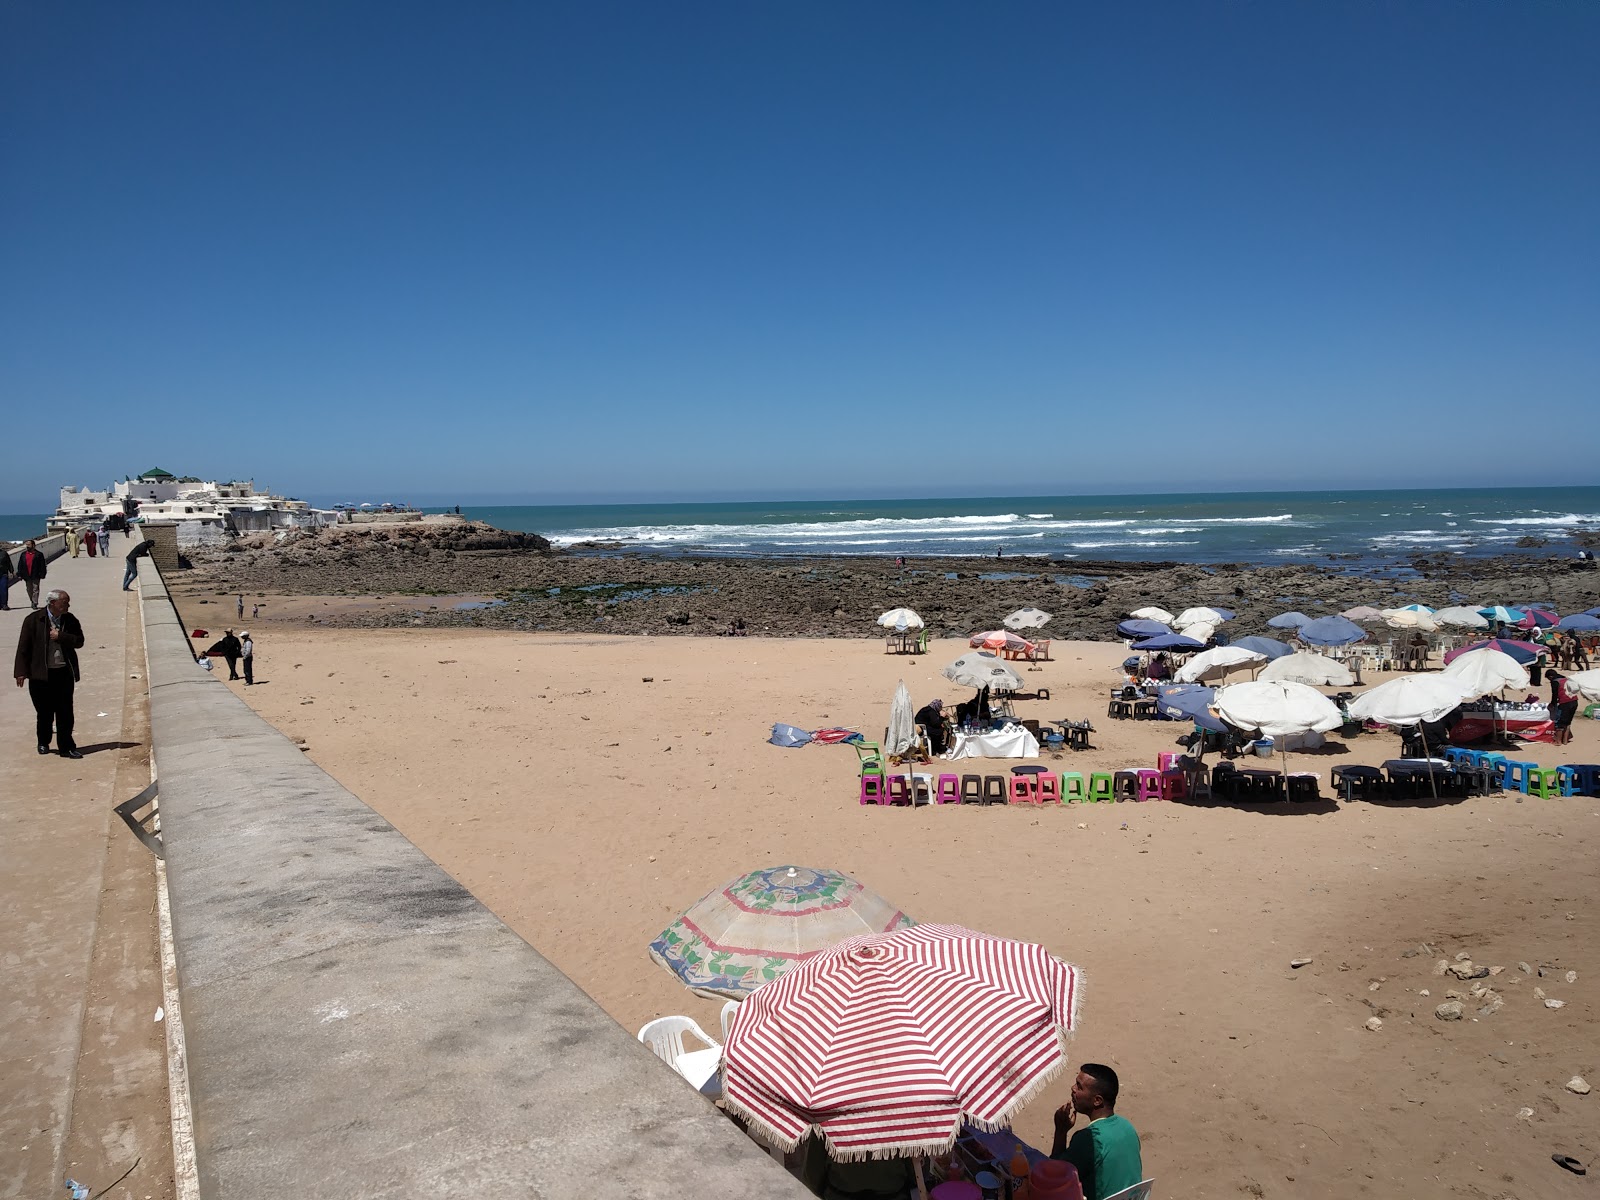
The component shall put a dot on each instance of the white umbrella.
(1463, 618)
(901, 618)
(1197, 616)
(983, 670)
(1200, 631)
(1152, 613)
(1587, 682)
(1409, 700)
(1277, 708)
(1026, 618)
(1214, 664)
(902, 733)
(1409, 618)
(1479, 672)
(1361, 612)
(1416, 608)
(1305, 667)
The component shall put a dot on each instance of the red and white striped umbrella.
(886, 1043)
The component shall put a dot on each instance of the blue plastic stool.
(1517, 775)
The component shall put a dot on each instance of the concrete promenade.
(82, 1060)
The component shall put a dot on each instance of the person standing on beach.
(134, 555)
(47, 662)
(31, 568)
(5, 579)
(1563, 707)
(247, 653)
(230, 649)
(241, 606)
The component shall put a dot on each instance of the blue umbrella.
(1140, 628)
(1332, 631)
(1289, 620)
(1168, 641)
(1582, 622)
(1271, 647)
(1190, 702)
(1591, 612)
(1224, 613)
(1499, 612)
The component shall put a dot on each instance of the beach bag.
(204, 662)
(788, 736)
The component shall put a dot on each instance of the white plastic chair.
(664, 1035)
(729, 1011)
(1139, 1191)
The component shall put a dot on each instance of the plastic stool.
(1175, 780)
(1022, 790)
(1047, 788)
(1073, 788)
(1567, 777)
(1542, 782)
(900, 790)
(1148, 786)
(1517, 773)
(873, 789)
(1100, 788)
(1167, 761)
(1305, 786)
(949, 791)
(994, 789)
(971, 789)
(1455, 754)
(1125, 784)
(921, 787)
(1586, 781)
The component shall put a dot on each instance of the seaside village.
(879, 1057)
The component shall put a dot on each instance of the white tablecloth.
(1015, 742)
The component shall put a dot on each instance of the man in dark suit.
(47, 661)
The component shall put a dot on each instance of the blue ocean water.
(1261, 527)
(19, 527)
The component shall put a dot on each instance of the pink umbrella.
(1537, 618)
(887, 1043)
(999, 639)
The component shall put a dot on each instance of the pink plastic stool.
(1024, 790)
(1176, 784)
(949, 790)
(1151, 785)
(873, 790)
(1167, 761)
(1048, 789)
(899, 790)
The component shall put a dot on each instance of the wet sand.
(588, 788)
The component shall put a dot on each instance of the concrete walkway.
(82, 1065)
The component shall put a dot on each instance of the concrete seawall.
(357, 1023)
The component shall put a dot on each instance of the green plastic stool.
(1073, 789)
(1545, 782)
(1100, 789)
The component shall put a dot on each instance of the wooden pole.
(922, 1184)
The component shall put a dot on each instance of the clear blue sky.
(785, 250)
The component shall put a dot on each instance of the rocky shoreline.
(523, 584)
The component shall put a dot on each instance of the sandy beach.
(590, 788)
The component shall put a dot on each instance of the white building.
(159, 497)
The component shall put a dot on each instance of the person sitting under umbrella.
(1106, 1151)
(931, 717)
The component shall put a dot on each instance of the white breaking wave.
(1563, 519)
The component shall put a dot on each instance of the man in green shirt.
(1106, 1151)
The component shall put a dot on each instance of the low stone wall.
(358, 1024)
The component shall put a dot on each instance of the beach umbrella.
(1461, 618)
(1362, 612)
(1410, 618)
(1408, 700)
(1214, 664)
(1190, 702)
(1277, 708)
(981, 671)
(1579, 623)
(1537, 618)
(999, 639)
(1200, 631)
(1026, 618)
(1423, 608)
(901, 618)
(1305, 667)
(1289, 620)
(1203, 615)
(752, 929)
(1480, 672)
(1168, 641)
(1587, 682)
(1331, 631)
(886, 1045)
(1141, 628)
(1524, 653)
(902, 733)
(1591, 612)
(1152, 613)
(1271, 647)
(1499, 612)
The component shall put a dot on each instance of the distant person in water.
(999, 551)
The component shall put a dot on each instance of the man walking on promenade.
(31, 567)
(5, 579)
(134, 555)
(104, 536)
(247, 654)
(47, 661)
